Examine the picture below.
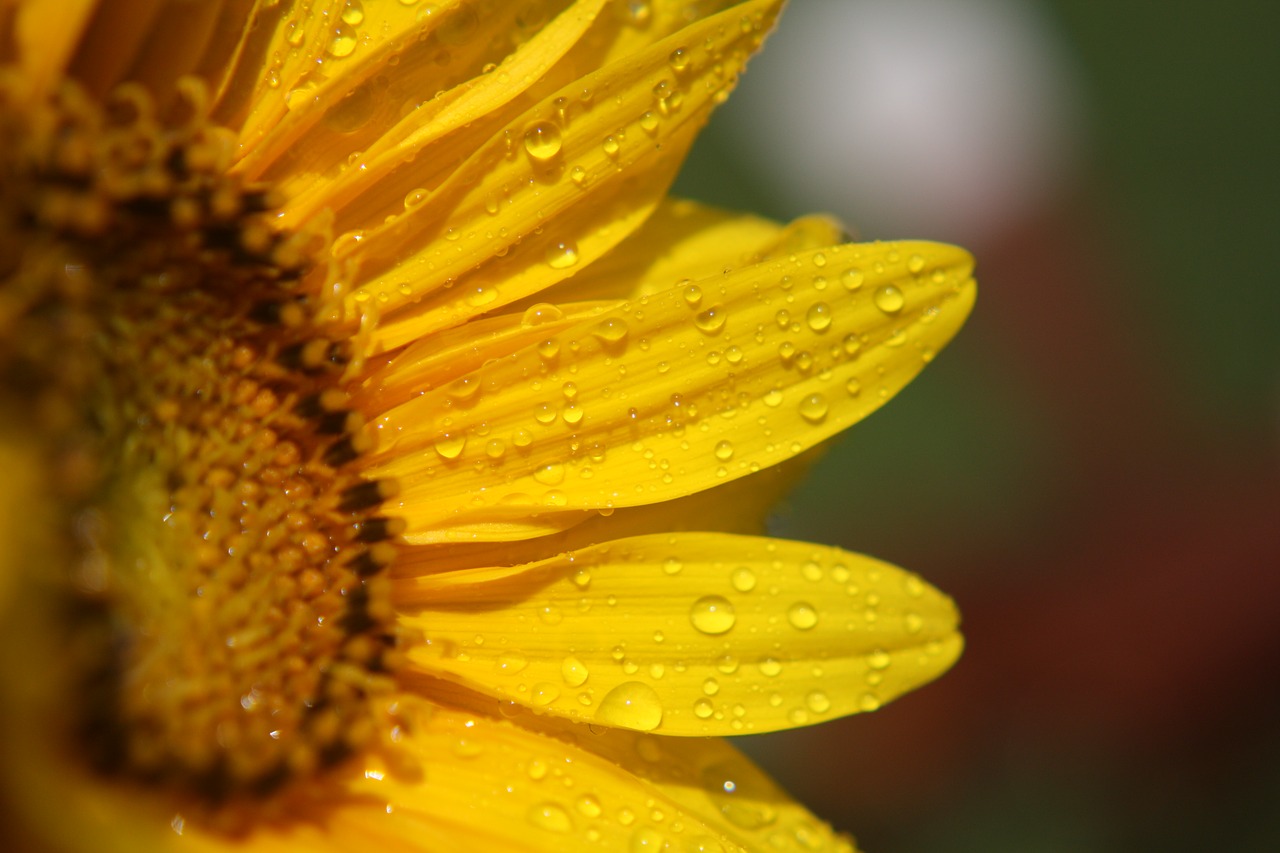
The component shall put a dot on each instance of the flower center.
(220, 561)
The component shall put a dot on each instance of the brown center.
(220, 560)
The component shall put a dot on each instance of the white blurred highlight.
(907, 118)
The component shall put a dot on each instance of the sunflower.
(361, 396)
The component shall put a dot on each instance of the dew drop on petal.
(611, 330)
(743, 579)
(343, 42)
(724, 451)
(542, 141)
(712, 320)
(712, 614)
(889, 299)
(813, 408)
(551, 817)
(818, 317)
(770, 667)
(802, 615)
(818, 702)
(631, 705)
(573, 671)
(562, 255)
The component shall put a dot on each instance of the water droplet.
(415, 197)
(482, 295)
(509, 663)
(852, 278)
(522, 438)
(743, 579)
(772, 398)
(818, 702)
(588, 806)
(343, 41)
(741, 798)
(915, 263)
(724, 451)
(550, 817)
(548, 349)
(712, 320)
(812, 571)
(611, 146)
(562, 255)
(710, 687)
(353, 13)
(813, 408)
(889, 299)
(820, 260)
(679, 59)
(693, 295)
(869, 702)
(703, 709)
(542, 141)
(818, 316)
(770, 667)
(495, 448)
(543, 312)
(551, 474)
(854, 387)
(463, 389)
(578, 175)
(573, 671)
(647, 840)
(631, 705)
(672, 566)
(879, 659)
(802, 615)
(449, 446)
(572, 415)
(543, 693)
(611, 330)
(648, 122)
(712, 614)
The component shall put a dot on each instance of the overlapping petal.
(672, 393)
(519, 215)
(686, 634)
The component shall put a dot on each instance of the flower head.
(363, 400)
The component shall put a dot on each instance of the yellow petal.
(741, 506)
(684, 240)
(514, 219)
(355, 122)
(686, 634)
(491, 784)
(674, 392)
(46, 36)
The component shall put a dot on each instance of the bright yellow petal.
(673, 393)
(515, 219)
(687, 634)
(684, 240)
(487, 783)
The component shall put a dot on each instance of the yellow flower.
(361, 396)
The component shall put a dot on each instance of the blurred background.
(1092, 469)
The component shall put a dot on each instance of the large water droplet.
(449, 446)
(712, 320)
(551, 474)
(573, 671)
(813, 408)
(611, 330)
(743, 579)
(551, 817)
(631, 705)
(542, 141)
(712, 614)
(724, 451)
(818, 702)
(343, 41)
(562, 255)
(818, 317)
(802, 615)
(889, 299)
(353, 13)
